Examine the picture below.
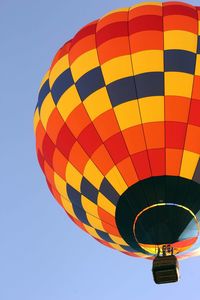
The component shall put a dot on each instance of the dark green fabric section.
(161, 224)
(169, 223)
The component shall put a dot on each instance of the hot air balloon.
(117, 127)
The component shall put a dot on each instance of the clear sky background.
(43, 255)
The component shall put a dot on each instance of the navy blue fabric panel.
(150, 84)
(196, 176)
(81, 214)
(122, 90)
(74, 195)
(75, 198)
(62, 83)
(198, 46)
(88, 190)
(45, 89)
(90, 82)
(180, 61)
(108, 191)
(127, 248)
(104, 236)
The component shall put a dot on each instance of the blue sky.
(43, 255)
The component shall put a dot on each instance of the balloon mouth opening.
(151, 237)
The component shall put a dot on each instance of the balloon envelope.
(117, 128)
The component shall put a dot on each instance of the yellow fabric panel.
(60, 185)
(97, 103)
(152, 109)
(148, 61)
(116, 180)
(84, 63)
(60, 66)
(73, 177)
(178, 84)
(197, 67)
(118, 240)
(117, 68)
(36, 119)
(151, 250)
(91, 231)
(146, 3)
(142, 255)
(68, 102)
(117, 247)
(194, 253)
(189, 163)
(68, 206)
(128, 114)
(104, 203)
(45, 77)
(95, 222)
(89, 207)
(47, 107)
(115, 11)
(180, 39)
(93, 175)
